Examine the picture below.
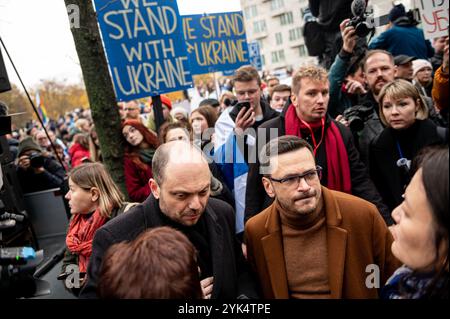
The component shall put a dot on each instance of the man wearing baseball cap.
(404, 67)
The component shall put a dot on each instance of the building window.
(302, 50)
(263, 59)
(278, 56)
(279, 38)
(276, 4)
(287, 18)
(251, 12)
(260, 42)
(259, 26)
(281, 55)
(295, 34)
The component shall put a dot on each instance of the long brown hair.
(209, 113)
(149, 137)
(90, 175)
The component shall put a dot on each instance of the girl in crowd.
(159, 264)
(421, 233)
(202, 121)
(140, 146)
(93, 199)
(178, 131)
(64, 158)
(408, 130)
(79, 151)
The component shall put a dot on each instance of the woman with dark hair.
(203, 120)
(159, 264)
(421, 233)
(140, 146)
(408, 130)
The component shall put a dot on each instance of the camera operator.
(354, 103)
(37, 171)
(378, 70)
(329, 14)
(346, 75)
(403, 36)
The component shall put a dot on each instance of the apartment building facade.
(277, 26)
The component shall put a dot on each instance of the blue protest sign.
(255, 55)
(145, 47)
(215, 42)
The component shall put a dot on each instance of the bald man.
(181, 199)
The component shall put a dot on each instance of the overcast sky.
(38, 38)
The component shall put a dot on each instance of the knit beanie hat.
(26, 145)
(396, 12)
(179, 109)
(420, 64)
(166, 101)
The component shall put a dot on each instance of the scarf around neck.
(338, 167)
(146, 155)
(81, 234)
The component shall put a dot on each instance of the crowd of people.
(271, 190)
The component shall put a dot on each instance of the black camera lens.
(362, 30)
(356, 124)
(36, 160)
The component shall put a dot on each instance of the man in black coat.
(332, 142)
(180, 199)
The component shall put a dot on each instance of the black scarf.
(198, 236)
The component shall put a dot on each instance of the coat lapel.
(272, 245)
(216, 238)
(336, 244)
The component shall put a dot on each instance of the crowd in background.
(350, 139)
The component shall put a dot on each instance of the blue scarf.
(405, 284)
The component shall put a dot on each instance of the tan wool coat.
(357, 237)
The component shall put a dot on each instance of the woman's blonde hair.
(399, 89)
(91, 175)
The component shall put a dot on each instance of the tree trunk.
(99, 87)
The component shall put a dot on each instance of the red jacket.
(136, 180)
(77, 154)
